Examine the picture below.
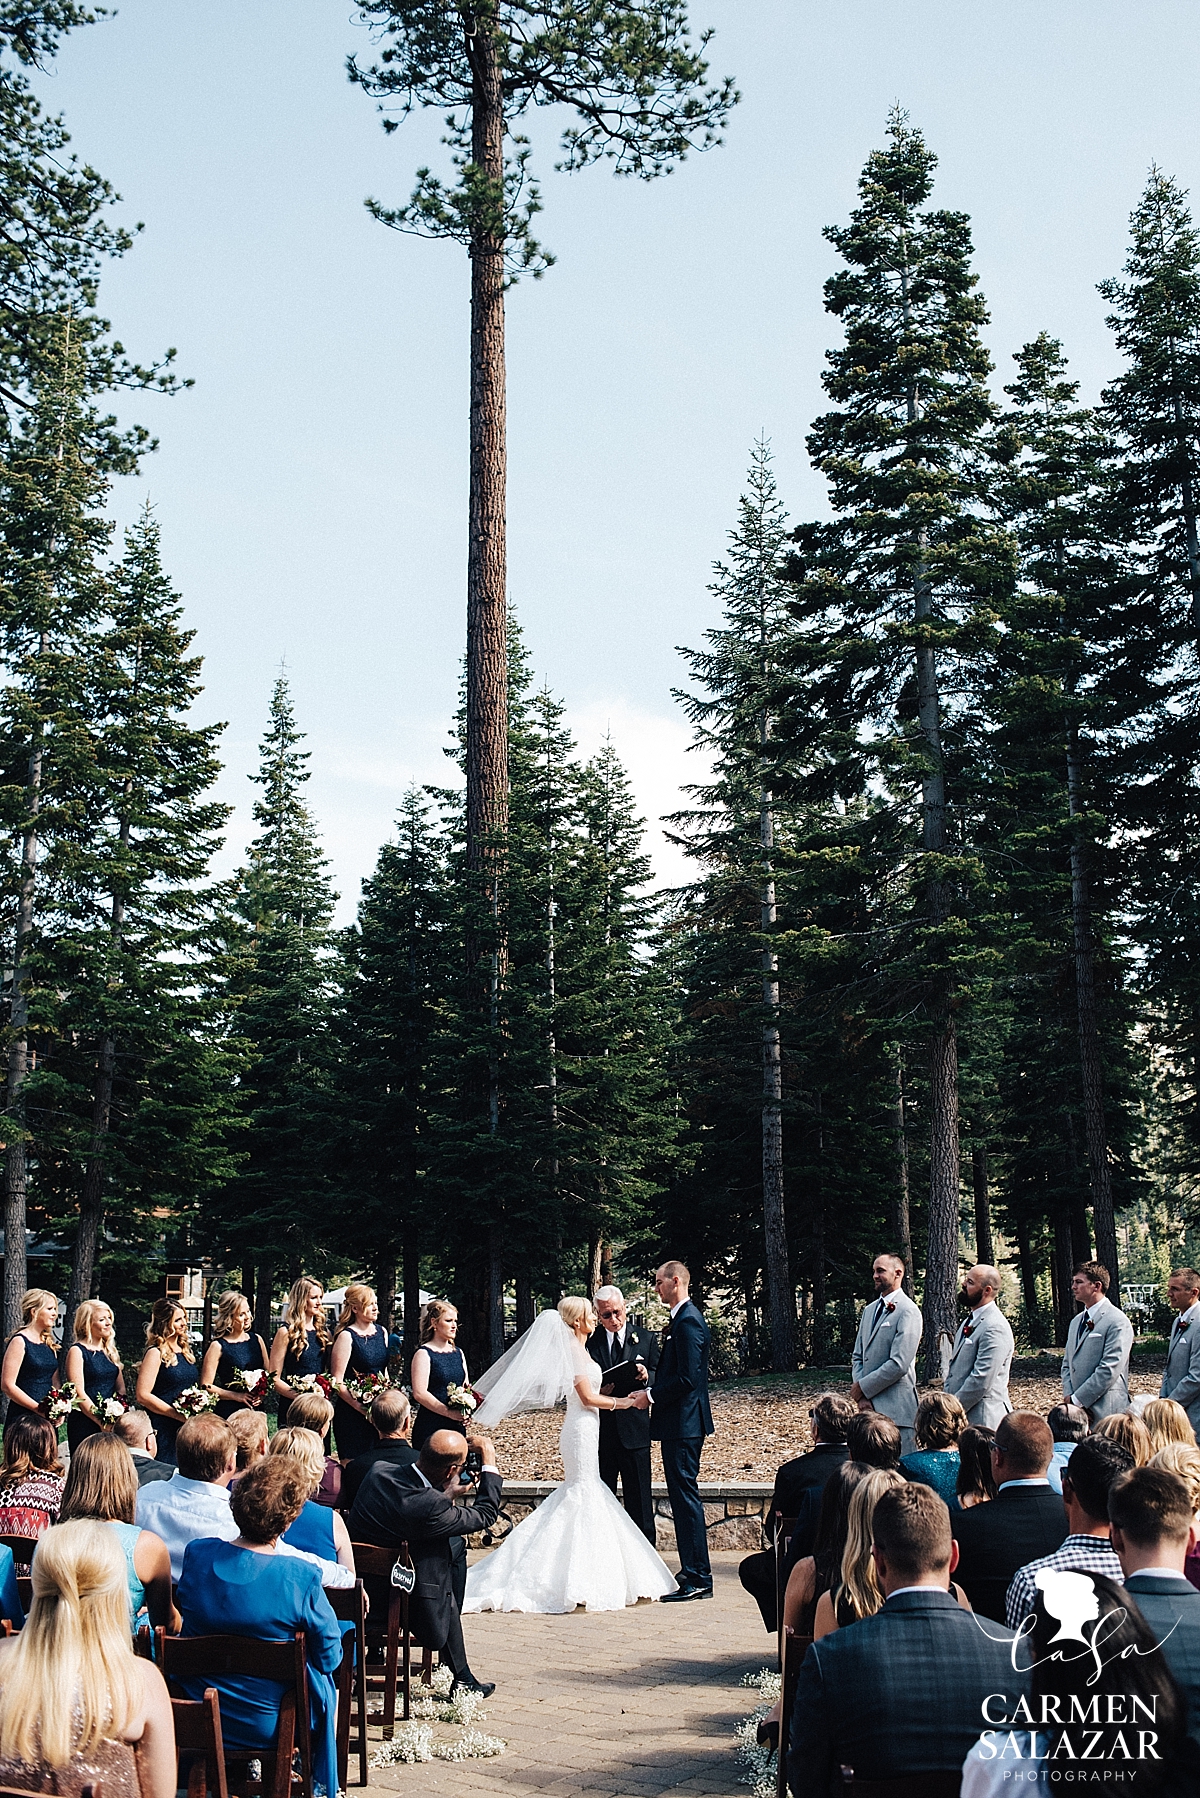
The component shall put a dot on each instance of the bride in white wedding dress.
(579, 1546)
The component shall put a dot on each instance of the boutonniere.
(1181, 1325)
(889, 1309)
(967, 1328)
(1090, 1323)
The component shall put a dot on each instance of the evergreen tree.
(894, 588)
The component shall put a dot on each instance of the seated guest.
(77, 1643)
(135, 1429)
(873, 1439)
(1153, 1530)
(102, 1485)
(414, 1505)
(1024, 1521)
(901, 1694)
(856, 1593)
(1087, 1482)
(808, 1472)
(251, 1433)
(1127, 1676)
(1130, 1432)
(1167, 1421)
(312, 1411)
(975, 1485)
(245, 1587)
(1069, 1424)
(318, 1529)
(939, 1423)
(1178, 1458)
(391, 1415)
(194, 1502)
(11, 1608)
(31, 1479)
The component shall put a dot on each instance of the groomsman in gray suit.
(1095, 1370)
(1182, 1378)
(885, 1349)
(983, 1350)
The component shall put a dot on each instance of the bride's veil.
(534, 1374)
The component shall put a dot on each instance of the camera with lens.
(472, 1467)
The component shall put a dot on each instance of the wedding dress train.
(580, 1546)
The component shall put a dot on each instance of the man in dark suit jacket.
(413, 1505)
(136, 1431)
(1153, 1530)
(1025, 1520)
(807, 1473)
(625, 1435)
(902, 1693)
(680, 1420)
(391, 1415)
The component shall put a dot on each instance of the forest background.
(926, 970)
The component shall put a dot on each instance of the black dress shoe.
(685, 1593)
(484, 1688)
(767, 1734)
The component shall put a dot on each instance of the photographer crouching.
(416, 1505)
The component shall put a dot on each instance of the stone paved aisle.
(634, 1704)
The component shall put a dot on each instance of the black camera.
(472, 1467)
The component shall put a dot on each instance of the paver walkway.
(634, 1704)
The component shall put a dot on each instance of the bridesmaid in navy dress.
(234, 1346)
(29, 1369)
(301, 1344)
(437, 1365)
(94, 1367)
(359, 1347)
(168, 1368)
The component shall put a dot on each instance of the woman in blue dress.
(168, 1368)
(301, 1344)
(28, 1372)
(359, 1347)
(234, 1350)
(246, 1588)
(940, 1421)
(94, 1367)
(437, 1365)
(318, 1530)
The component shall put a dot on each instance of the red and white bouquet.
(194, 1401)
(313, 1382)
(252, 1381)
(107, 1410)
(62, 1401)
(365, 1388)
(463, 1399)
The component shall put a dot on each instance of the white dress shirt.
(182, 1511)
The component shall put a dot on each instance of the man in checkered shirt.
(1094, 1465)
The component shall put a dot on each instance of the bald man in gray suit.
(983, 1350)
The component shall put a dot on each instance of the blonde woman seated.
(312, 1411)
(317, 1530)
(1130, 1432)
(1166, 1421)
(858, 1593)
(77, 1641)
(1184, 1459)
(250, 1431)
(102, 1487)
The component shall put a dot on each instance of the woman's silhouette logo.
(1070, 1599)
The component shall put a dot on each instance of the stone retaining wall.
(733, 1511)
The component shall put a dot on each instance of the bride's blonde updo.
(572, 1310)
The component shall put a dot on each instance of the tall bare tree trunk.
(595, 1258)
(15, 1162)
(1103, 1217)
(385, 1288)
(1028, 1278)
(495, 1293)
(1064, 1264)
(901, 1217)
(524, 1303)
(781, 1301)
(264, 1289)
(984, 1252)
(412, 1293)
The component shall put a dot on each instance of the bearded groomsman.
(1182, 1378)
(885, 1350)
(983, 1350)
(1095, 1371)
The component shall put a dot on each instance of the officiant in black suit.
(625, 1435)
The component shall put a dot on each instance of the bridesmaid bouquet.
(313, 1382)
(252, 1381)
(194, 1401)
(62, 1401)
(365, 1388)
(107, 1411)
(463, 1400)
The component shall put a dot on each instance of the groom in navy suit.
(680, 1419)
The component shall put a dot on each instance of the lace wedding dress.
(579, 1546)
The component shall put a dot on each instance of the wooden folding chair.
(794, 1650)
(784, 1527)
(247, 1657)
(394, 1634)
(198, 1744)
(350, 1606)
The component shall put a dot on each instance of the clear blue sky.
(311, 487)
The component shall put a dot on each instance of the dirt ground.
(761, 1422)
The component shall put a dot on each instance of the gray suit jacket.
(1172, 1609)
(978, 1372)
(1096, 1366)
(884, 1353)
(1182, 1378)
